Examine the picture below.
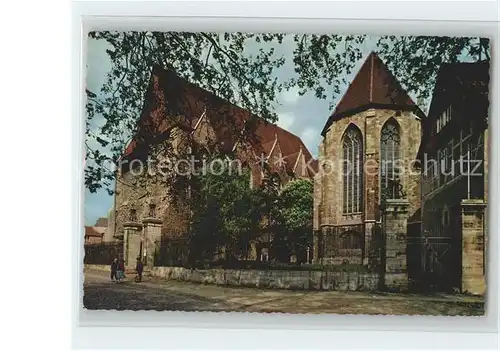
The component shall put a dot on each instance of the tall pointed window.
(390, 141)
(352, 148)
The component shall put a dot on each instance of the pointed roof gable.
(174, 101)
(373, 86)
(93, 232)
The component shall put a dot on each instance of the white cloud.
(285, 120)
(310, 138)
(291, 96)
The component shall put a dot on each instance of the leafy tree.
(226, 216)
(415, 60)
(296, 202)
(296, 207)
(222, 64)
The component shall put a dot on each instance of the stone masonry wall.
(328, 199)
(273, 279)
(138, 192)
(370, 123)
(473, 247)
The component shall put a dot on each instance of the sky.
(304, 115)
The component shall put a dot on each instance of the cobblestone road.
(100, 293)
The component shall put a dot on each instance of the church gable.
(177, 109)
(373, 86)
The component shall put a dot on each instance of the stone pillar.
(394, 231)
(152, 235)
(132, 237)
(371, 184)
(252, 253)
(473, 247)
(371, 249)
(315, 250)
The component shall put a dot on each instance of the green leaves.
(416, 60)
(296, 204)
(242, 68)
(226, 211)
(231, 214)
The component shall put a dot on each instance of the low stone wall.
(273, 279)
(277, 279)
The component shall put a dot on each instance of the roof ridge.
(373, 85)
(237, 113)
(350, 83)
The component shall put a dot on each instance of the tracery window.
(390, 141)
(352, 148)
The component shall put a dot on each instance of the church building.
(181, 120)
(366, 168)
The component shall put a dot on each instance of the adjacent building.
(454, 156)
(95, 234)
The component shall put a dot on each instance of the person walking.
(114, 269)
(139, 268)
(121, 271)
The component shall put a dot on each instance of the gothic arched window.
(352, 148)
(390, 141)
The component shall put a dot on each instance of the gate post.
(132, 237)
(395, 241)
(152, 234)
(316, 243)
(473, 246)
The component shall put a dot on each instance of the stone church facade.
(374, 206)
(180, 120)
(370, 143)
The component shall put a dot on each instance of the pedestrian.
(121, 270)
(139, 268)
(114, 269)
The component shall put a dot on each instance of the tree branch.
(208, 55)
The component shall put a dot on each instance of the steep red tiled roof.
(374, 85)
(173, 101)
(91, 231)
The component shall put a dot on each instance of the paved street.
(100, 293)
